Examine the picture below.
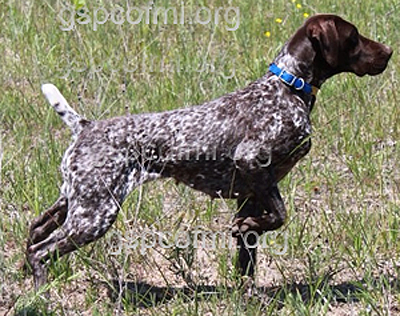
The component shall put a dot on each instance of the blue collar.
(292, 80)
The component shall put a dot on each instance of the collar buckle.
(291, 80)
(284, 75)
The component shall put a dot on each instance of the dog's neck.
(300, 67)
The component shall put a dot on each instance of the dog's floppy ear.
(324, 34)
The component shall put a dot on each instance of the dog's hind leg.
(83, 225)
(46, 223)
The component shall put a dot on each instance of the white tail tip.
(51, 93)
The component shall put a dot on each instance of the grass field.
(343, 254)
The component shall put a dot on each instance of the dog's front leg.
(247, 238)
(262, 209)
(256, 215)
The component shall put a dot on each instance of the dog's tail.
(74, 121)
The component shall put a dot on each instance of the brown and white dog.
(254, 135)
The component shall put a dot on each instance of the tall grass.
(343, 199)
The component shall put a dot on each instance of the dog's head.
(335, 45)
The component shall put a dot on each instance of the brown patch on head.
(335, 45)
(344, 49)
(325, 34)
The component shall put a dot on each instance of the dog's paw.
(259, 225)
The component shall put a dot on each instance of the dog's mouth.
(373, 69)
(379, 65)
(378, 68)
(374, 63)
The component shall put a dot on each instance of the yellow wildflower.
(298, 6)
(306, 15)
(278, 20)
(267, 34)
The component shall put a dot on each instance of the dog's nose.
(388, 50)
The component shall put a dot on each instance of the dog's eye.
(352, 41)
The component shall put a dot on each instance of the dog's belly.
(219, 179)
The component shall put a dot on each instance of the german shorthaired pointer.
(238, 146)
